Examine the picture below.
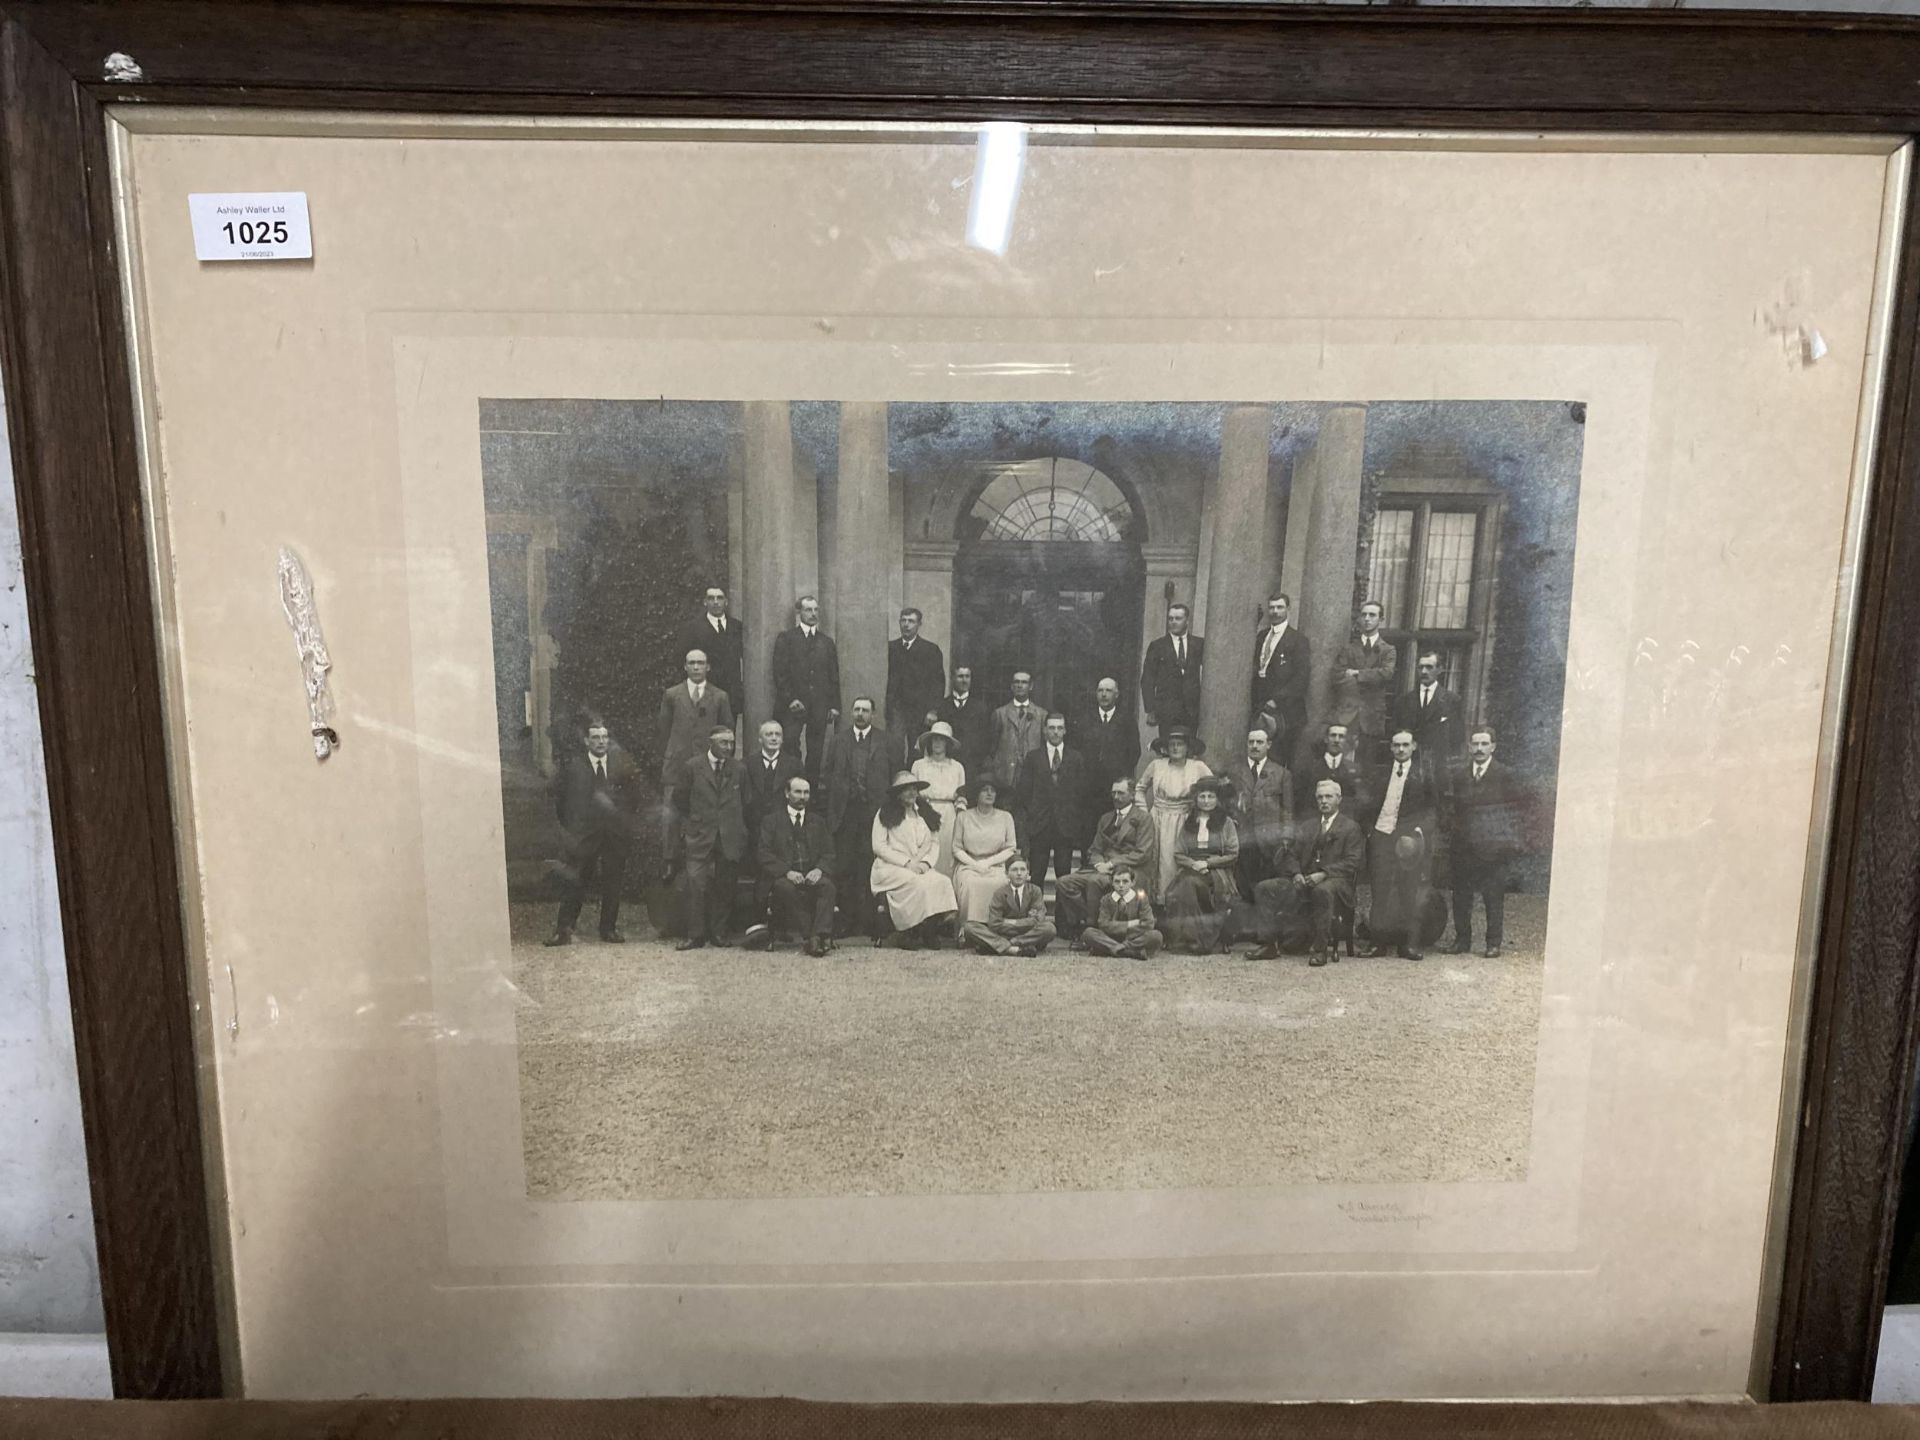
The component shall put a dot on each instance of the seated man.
(1319, 867)
(796, 858)
(1125, 837)
(1125, 923)
(1016, 922)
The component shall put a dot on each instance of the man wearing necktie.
(1317, 871)
(1363, 672)
(969, 717)
(1053, 798)
(1170, 674)
(724, 640)
(1262, 811)
(594, 796)
(1282, 671)
(1016, 730)
(1401, 835)
(764, 775)
(861, 759)
(713, 839)
(1108, 739)
(916, 680)
(806, 684)
(796, 866)
(1433, 713)
(1488, 836)
(1333, 759)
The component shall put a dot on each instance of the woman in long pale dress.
(1200, 899)
(983, 842)
(939, 765)
(920, 899)
(1166, 790)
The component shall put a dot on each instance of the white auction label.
(253, 226)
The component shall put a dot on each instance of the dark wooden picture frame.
(74, 427)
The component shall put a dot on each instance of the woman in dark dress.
(1203, 890)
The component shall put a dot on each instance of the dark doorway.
(1067, 611)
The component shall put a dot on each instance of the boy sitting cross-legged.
(1016, 922)
(1125, 923)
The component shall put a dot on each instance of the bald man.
(1106, 737)
(713, 838)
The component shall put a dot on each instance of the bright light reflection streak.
(999, 161)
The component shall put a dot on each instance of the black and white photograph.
(945, 798)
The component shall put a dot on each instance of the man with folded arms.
(1125, 837)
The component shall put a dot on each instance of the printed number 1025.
(256, 232)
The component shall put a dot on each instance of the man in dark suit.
(1109, 740)
(1486, 833)
(971, 719)
(806, 684)
(1262, 810)
(764, 775)
(1282, 671)
(1433, 714)
(724, 640)
(1363, 671)
(1170, 675)
(1124, 838)
(1402, 831)
(916, 680)
(861, 760)
(1317, 871)
(796, 865)
(1334, 761)
(713, 838)
(1053, 800)
(593, 792)
(1016, 730)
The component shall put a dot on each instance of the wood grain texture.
(1235, 64)
(1186, 64)
(100, 711)
(1863, 1021)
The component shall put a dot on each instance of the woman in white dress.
(983, 842)
(940, 767)
(1166, 791)
(920, 899)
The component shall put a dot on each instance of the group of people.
(935, 817)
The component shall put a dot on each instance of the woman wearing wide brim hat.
(939, 766)
(906, 851)
(1206, 858)
(1166, 792)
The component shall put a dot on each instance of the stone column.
(867, 545)
(767, 525)
(1237, 577)
(1324, 510)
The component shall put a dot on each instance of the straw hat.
(906, 780)
(945, 732)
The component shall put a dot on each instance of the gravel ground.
(645, 1073)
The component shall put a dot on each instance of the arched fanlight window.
(1051, 499)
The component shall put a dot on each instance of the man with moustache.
(1125, 837)
(806, 684)
(1402, 832)
(1488, 815)
(688, 711)
(764, 775)
(1262, 810)
(1318, 872)
(1433, 714)
(1016, 730)
(1282, 671)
